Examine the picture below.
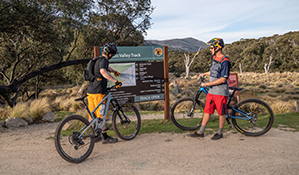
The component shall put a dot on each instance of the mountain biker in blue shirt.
(218, 92)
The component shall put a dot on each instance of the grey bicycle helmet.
(109, 48)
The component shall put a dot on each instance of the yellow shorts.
(93, 101)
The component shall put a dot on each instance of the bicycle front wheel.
(261, 113)
(70, 146)
(126, 122)
(187, 114)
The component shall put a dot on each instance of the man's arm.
(204, 74)
(111, 70)
(107, 75)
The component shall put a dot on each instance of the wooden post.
(166, 84)
(96, 51)
(297, 106)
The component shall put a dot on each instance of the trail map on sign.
(127, 74)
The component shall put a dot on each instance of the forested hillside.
(252, 54)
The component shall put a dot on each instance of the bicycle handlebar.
(112, 87)
(202, 79)
(116, 86)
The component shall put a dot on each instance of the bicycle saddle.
(81, 98)
(235, 88)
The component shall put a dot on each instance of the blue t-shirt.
(219, 69)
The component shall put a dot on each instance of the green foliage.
(252, 54)
(36, 34)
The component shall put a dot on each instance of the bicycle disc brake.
(254, 119)
(125, 119)
(190, 114)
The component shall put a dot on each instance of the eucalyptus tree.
(38, 36)
(35, 37)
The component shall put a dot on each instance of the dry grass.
(4, 113)
(152, 106)
(66, 104)
(20, 110)
(38, 108)
(283, 107)
(76, 105)
(279, 90)
(83, 113)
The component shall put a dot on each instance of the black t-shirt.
(99, 85)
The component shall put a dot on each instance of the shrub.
(38, 108)
(283, 107)
(4, 113)
(152, 106)
(20, 110)
(75, 105)
(263, 86)
(66, 104)
(83, 113)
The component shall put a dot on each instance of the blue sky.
(227, 19)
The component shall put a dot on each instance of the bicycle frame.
(246, 116)
(96, 120)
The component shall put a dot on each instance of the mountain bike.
(251, 117)
(75, 135)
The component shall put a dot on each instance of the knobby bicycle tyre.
(68, 145)
(262, 114)
(126, 129)
(181, 114)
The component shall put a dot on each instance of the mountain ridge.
(188, 44)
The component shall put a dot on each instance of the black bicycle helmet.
(216, 42)
(109, 48)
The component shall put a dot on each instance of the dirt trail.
(28, 151)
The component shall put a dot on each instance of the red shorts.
(215, 102)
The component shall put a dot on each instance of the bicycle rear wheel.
(126, 123)
(262, 117)
(68, 144)
(187, 114)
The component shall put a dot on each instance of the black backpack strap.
(92, 69)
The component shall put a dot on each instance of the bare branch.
(195, 55)
(188, 64)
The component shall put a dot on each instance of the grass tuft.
(4, 113)
(20, 110)
(38, 108)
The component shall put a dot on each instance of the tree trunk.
(187, 72)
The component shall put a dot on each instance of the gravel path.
(29, 150)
